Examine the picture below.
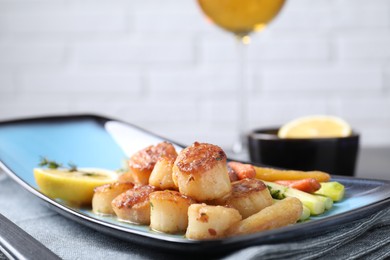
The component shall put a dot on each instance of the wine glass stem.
(239, 146)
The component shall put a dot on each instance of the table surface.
(374, 163)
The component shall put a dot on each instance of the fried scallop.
(142, 162)
(168, 211)
(248, 196)
(201, 173)
(133, 205)
(210, 222)
(127, 177)
(103, 196)
(280, 214)
(161, 176)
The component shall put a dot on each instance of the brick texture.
(163, 66)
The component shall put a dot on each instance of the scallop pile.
(196, 193)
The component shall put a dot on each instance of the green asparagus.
(333, 190)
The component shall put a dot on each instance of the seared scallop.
(168, 211)
(127, 177)
(248, 196)
(210, 222)
(161, 176)
(280, 214)
(103, 196)
(142, 163)
(133, 205)
(200, 172)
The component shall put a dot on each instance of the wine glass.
(241, 17)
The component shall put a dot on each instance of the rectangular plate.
(94, 141)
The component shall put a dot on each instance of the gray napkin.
(368, 238)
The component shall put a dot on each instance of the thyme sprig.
(72, 167)
(45, 162)
(276, 194)
(49, 164)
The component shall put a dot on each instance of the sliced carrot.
(309, 185)
(243, 170)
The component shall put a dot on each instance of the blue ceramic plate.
(94, 141)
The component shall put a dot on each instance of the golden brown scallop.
(133, 205)
(200, 172)
(161, 176)
(280, 214)
(168, 211)
(103, 196)
(127, 177)
(248, 196)
(142, 163)
(210, 222)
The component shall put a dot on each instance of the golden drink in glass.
(241, 17)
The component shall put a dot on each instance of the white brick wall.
(160, 65)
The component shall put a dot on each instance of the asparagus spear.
(333, 190)
(305, 213)
(327, 201)
(315, 204)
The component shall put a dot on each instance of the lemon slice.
(319, 126)
(74, 188)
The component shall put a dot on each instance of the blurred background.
(162, 66)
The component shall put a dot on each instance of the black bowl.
(332, 155)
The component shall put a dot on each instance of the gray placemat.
(368, 238)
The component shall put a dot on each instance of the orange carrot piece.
(243, 170)
(309, 185)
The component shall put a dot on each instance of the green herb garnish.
(49, 164)
(71, 167)
(276, 194)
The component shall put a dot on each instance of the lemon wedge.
(74, 188)
(318, 126)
